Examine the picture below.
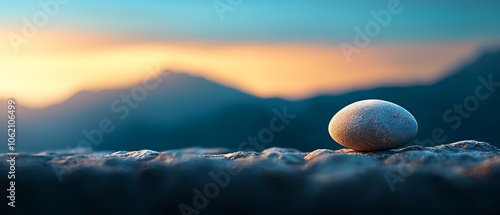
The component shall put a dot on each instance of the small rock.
(372, 125)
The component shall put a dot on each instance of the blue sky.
(269, 21)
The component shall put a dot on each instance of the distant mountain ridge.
(185, 111)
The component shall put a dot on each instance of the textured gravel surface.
(460, 178)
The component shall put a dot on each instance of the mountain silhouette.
(433, 105)
(188, 111)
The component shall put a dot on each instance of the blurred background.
(130, 75)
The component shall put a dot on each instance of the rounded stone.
(373, 125)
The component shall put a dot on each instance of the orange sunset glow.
(56, 65)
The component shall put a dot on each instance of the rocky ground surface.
(461, 178)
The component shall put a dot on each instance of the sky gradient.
(279, 48)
